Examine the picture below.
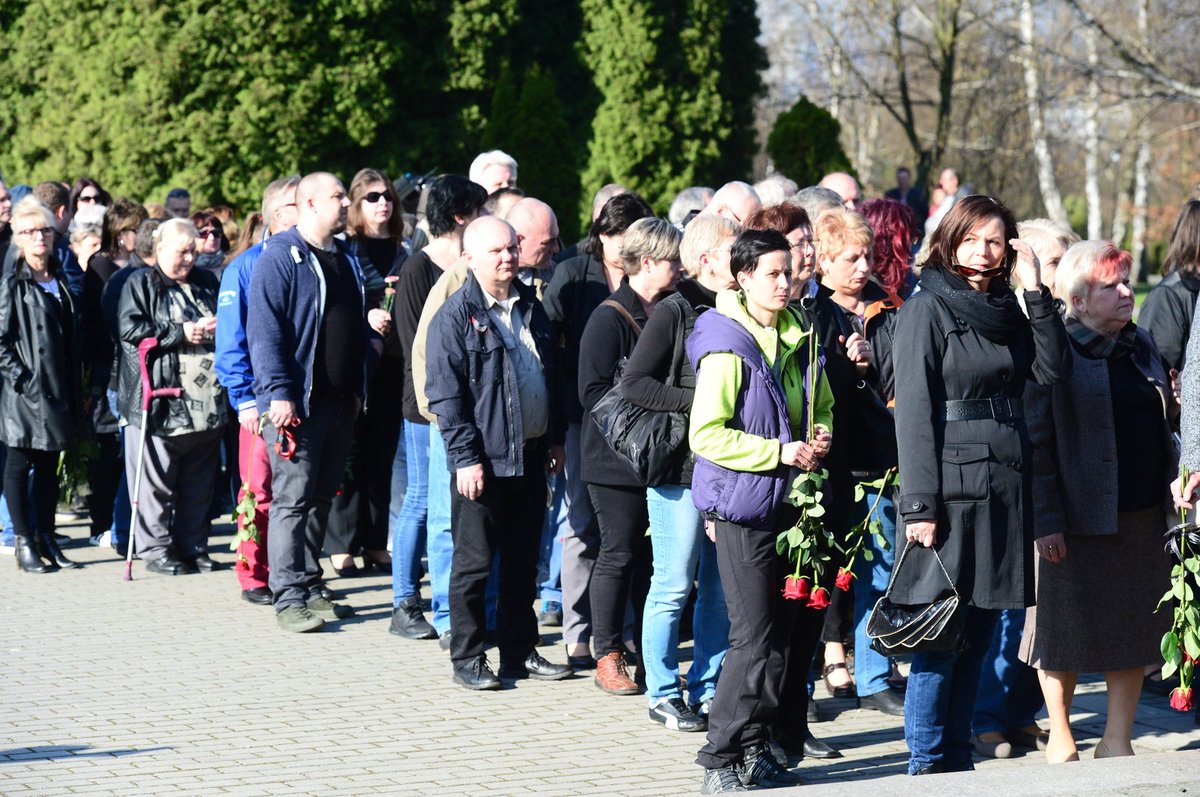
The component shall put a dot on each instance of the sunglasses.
(971, 271)
(375, 196)
(88, 197)
(207, 233)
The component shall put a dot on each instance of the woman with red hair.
(895, 227)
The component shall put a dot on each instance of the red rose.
(1181, 698)
(795, 588)
(844, 579)
(819, 598)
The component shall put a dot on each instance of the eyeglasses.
(44, 232)
(375, 196)
(804, 243)
(208, 232)
(88, 197)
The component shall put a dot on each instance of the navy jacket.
(472, 383)
(287, 301)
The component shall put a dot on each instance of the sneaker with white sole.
(104, 538)
(675, 714)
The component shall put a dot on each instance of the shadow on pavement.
(48, 752)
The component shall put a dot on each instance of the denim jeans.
(440, 546)
(940, 702)
(399, 482)
(1009, 693)
(122, 515)
(408, 535)
(680, 549)
(870, 582)
(553, 533)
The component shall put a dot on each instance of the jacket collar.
(788, 328)
(474, 293)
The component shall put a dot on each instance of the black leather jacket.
(143, 314)
(41, 400)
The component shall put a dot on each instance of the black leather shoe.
(260, 595)
(814, 713)
(329, 594)
(205, 563)
(815, 748)
(27, 557)
(55, 554)
(476, 674)
(886, 701)
(761, 769)
(536, 667)
(168, 565)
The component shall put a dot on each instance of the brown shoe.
(612, 677)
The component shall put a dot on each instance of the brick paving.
(177, 686)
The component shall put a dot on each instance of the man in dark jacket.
(308, 346)
(490, 348)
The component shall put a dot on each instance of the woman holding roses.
(748, 429)
(1114, 457)
(965, 490)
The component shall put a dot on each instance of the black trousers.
(507, 518)
(359, 519)
(622, 571)
(104, 474)
(45, 489)
(762, 628)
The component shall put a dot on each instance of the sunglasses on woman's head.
(375, 196)
(971, 271)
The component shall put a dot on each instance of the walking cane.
(148, 395)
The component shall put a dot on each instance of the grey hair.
(273, 194)
(1048, 229)
(175, 228)
(688, 200)
(704, 234)
(652, 237)
(491, 158)
(775, 189)
(1075, 270)
(816, 200)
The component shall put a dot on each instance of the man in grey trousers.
(308, 345)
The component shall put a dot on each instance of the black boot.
(27, 557)
(54, 553)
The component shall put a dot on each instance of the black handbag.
(897, 630)
(649, 440)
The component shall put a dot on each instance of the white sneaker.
(100, 539)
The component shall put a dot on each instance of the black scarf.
(1099, 346)
(995, 314)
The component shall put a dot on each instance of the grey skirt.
(1095, 609)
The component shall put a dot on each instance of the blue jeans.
(940, 701)
(553, 532)
(122, 509)
(408, 535)
(399, 482)
(870, 582)
(682, 553)
(441, 543)
(1009, 693)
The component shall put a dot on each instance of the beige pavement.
(175, 686)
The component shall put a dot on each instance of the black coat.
(1167, 315)
(608, 338)
(575, 291)
(973, 477)
(41, 401)
(143, 314)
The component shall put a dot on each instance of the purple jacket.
(747, 498)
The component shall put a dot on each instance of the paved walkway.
(175, 686)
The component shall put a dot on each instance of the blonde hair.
(1080, 262)
(174, 228)
(31, 208)
(652, 237)
(837, 229)
(704, 234)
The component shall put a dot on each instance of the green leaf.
(1166, 598)
(1191, 643)
(1168, 669)
(795, 537)
(859, 494)
(868, 555)
(816, 510)
(781, 544)
(1169, 646)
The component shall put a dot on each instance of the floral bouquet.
(247, 508)
(1181, 645)
(389, 293)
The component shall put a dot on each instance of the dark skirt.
(1095, 609)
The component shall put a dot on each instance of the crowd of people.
(430, 385)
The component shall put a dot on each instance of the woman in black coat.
(650, 256)
(41, 403)
(965, 490)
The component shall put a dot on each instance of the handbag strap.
(637, 328)
(941, 567)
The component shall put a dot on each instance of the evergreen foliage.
(804, 144)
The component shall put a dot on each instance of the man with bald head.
(845, 186)
(537, 238)
(490, 373)
(736, 201)
(308, 342)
